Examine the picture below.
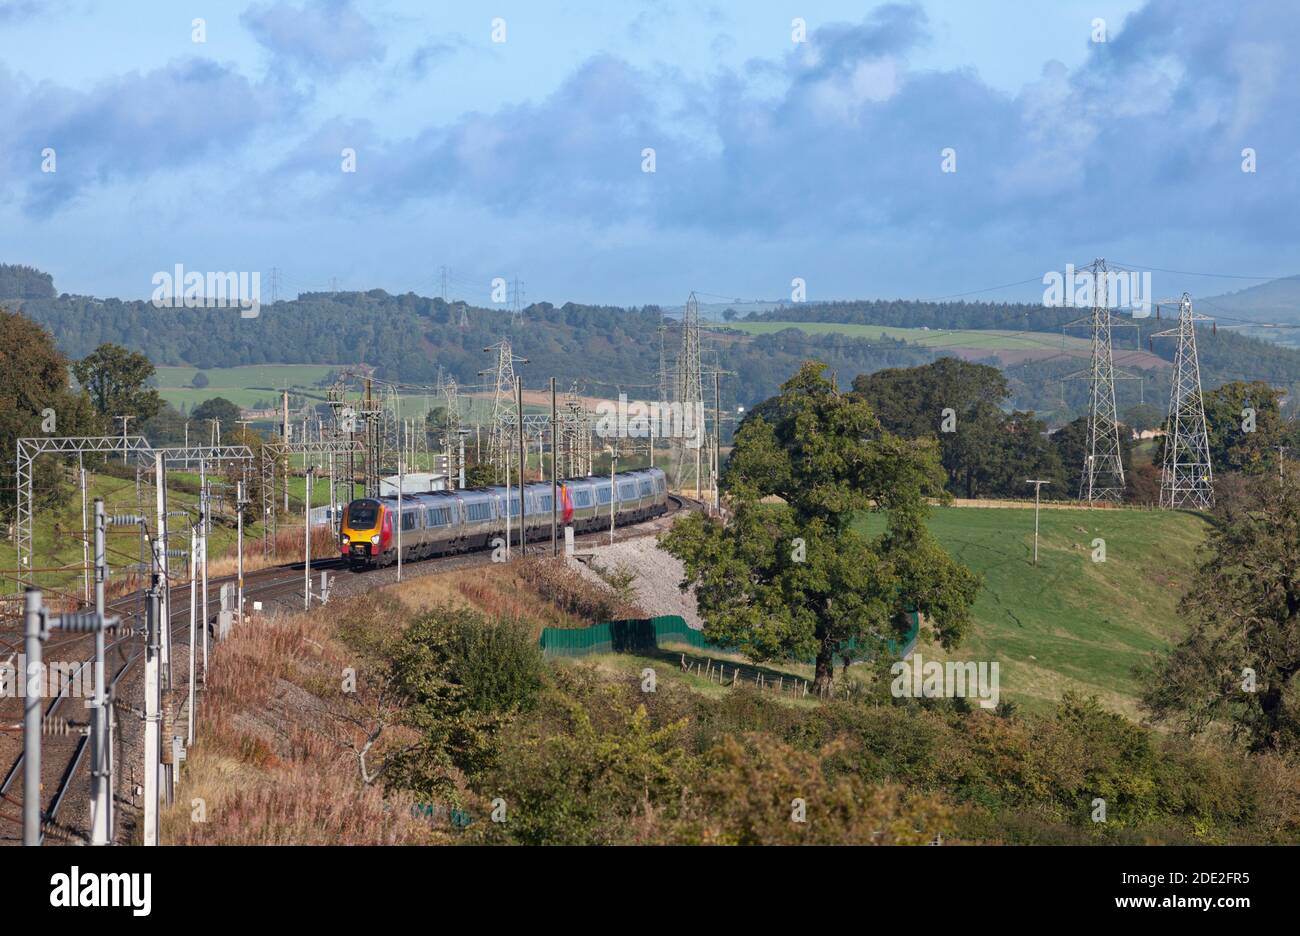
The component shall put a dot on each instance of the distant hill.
(1277, 301)
(1224, 354)
(605, 349)
(411, 339)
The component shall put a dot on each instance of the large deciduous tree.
(1239, 664)
(37, 401)
(1243, 421)
(793, 580)
(983, 449)
(217, 408)
(118, 383)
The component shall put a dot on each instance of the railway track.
(62, 755)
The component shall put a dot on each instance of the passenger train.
(442, 522)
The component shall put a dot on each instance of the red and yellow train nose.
(365, 530)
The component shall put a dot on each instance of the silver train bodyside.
(442, 523)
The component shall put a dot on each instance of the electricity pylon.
(392, 440)
(1102, 478)
(575, 436)
(505, 411)
(451, 425)
(1187, 478)
(690, 459)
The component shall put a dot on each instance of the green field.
(1070, 623)
(992, 340)
(246, 387)
(243, 386)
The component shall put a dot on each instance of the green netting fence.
(641, 635)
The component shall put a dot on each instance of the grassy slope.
(993, 340)
(1072, 622)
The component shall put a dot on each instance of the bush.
(758, 791)
(461, 678)
(599, 773)
(498, 662)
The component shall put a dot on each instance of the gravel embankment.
(657, 576)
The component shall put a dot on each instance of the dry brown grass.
(581, 601)
(432, 591)
(275, 761)
(543, 591)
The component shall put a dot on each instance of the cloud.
(434, 52)
(322, 38)
(1146, 133)
(580, 147)
(129, 127)
(15, 11)
(320, 153)
(840, 137)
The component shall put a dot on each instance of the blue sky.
(774, 159)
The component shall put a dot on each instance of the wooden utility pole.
(1038, 486)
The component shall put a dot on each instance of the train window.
(409, 518)
(546, 503)
(438, 516)
(479, 511)
(602, 495)
(362, 514)
(582, 497)
(514, 507)
(645, 487)
(627, 491)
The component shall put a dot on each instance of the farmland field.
(992, 340)
(248, 386)
(243, 386)
(1070, 623)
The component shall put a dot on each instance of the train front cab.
(366, 533)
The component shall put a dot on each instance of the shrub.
(461, 679)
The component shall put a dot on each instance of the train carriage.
(441, 522)
(482, 518)
(582, 495)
